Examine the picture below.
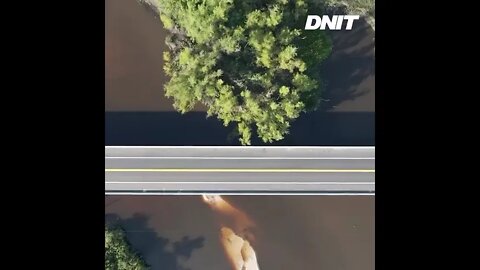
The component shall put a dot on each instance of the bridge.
(239, 170)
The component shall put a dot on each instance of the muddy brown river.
(291, 232)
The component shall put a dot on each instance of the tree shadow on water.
(186, 246)
(156, 250)
(347, 73)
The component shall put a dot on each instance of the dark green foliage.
(249, 62)
(118, 253)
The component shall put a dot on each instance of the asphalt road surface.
(245, 170)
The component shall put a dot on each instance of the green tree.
(118, 253)
(247, 61)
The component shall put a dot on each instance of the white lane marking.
(234, 158)
(242, 147)
(242, 183)
(240, 194)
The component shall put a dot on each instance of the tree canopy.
(118, 253)
(248, 61)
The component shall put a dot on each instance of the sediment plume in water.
(242, 223)
(236, 243)
(238, 250)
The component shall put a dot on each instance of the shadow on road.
(155, 249)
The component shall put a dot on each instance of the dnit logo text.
(335, 23)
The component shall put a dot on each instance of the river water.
(292, 232)
(137, 112)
